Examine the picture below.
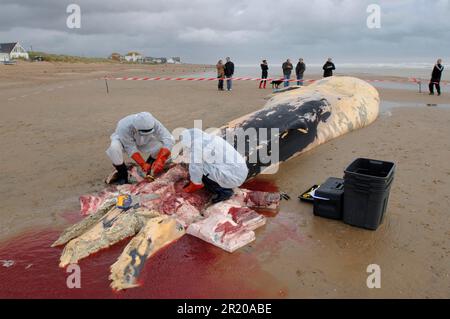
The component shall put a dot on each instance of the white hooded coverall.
(215, 158)
(128, 138)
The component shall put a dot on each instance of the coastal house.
(116, 57)
(150, 59)
(11, 51)
(162, 60)
(174, 60)
(134, 57)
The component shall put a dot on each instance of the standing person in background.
(328, 68)
(229, 71)
(299, 71)
(220, 74)
(436, 77)
(264, 74)
(287, 69)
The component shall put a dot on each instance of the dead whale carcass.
(303, 119)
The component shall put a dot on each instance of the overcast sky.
(201, 31)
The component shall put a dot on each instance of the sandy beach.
(55, 126)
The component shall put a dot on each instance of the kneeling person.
(137, 133)
(214, 164)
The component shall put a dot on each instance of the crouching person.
(136, 134)
(213, 164)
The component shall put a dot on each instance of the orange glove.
(161, 159)
(146, 167)
(192, 187)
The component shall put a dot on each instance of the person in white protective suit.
(137, 133)
(213, 164)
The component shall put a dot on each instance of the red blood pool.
(188, 268)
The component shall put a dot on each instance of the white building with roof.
(11, 51)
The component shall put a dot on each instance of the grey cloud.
(204, 30)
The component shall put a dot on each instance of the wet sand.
(55, 126)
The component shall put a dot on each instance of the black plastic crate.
(369, 171)
(367, 184)
(328, 198)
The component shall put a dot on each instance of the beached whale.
(303, 118)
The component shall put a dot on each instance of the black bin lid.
(366, 167)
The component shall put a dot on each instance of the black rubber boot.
(122, 174)
(150, 160)
(223, 194)
(219, 193)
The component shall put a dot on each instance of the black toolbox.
(367, 184)
(328, 198)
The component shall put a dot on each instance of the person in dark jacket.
(264, 74)
(229, 71)
(299, 71)
(328, 68)
(287, 69)
(436, 77)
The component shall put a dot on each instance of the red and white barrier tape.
(200, 79)
(410, 80)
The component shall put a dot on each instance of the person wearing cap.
(136, 134)
(213, 164)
